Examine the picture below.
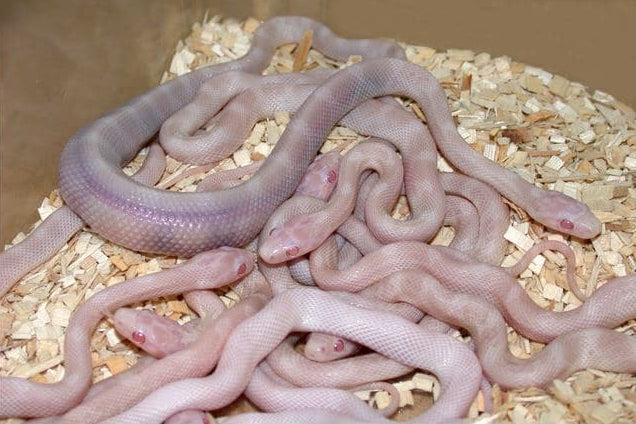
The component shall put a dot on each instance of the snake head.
(281, 245)
(157, 335)
(222, 264)
(322, 347)
(298, 236)
(567, 215)
(321, 177)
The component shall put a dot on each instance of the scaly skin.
(182, 224)
(24, 398)
(310, 309)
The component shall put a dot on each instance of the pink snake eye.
(339, 345)
(241, 269)
(291, 252)
(566, 224)
(139, 337)
(332, 177)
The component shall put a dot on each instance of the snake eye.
(291, 252)
(339, 345)
(566, 224)
(332, 177)
(139, 337)
(241, 269)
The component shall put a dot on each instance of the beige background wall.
(65, 62)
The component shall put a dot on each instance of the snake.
(200, 225)
(24, 398)
(151, 220)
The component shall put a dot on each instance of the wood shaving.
(549, 130)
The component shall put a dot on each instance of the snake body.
(151, 220)
(375, 255)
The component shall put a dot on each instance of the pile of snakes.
(311, 244)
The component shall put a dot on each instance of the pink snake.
(151, 220)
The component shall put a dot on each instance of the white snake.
(151, 220)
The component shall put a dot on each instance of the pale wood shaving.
(549, 130)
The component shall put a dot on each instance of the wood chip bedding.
(549, 130)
